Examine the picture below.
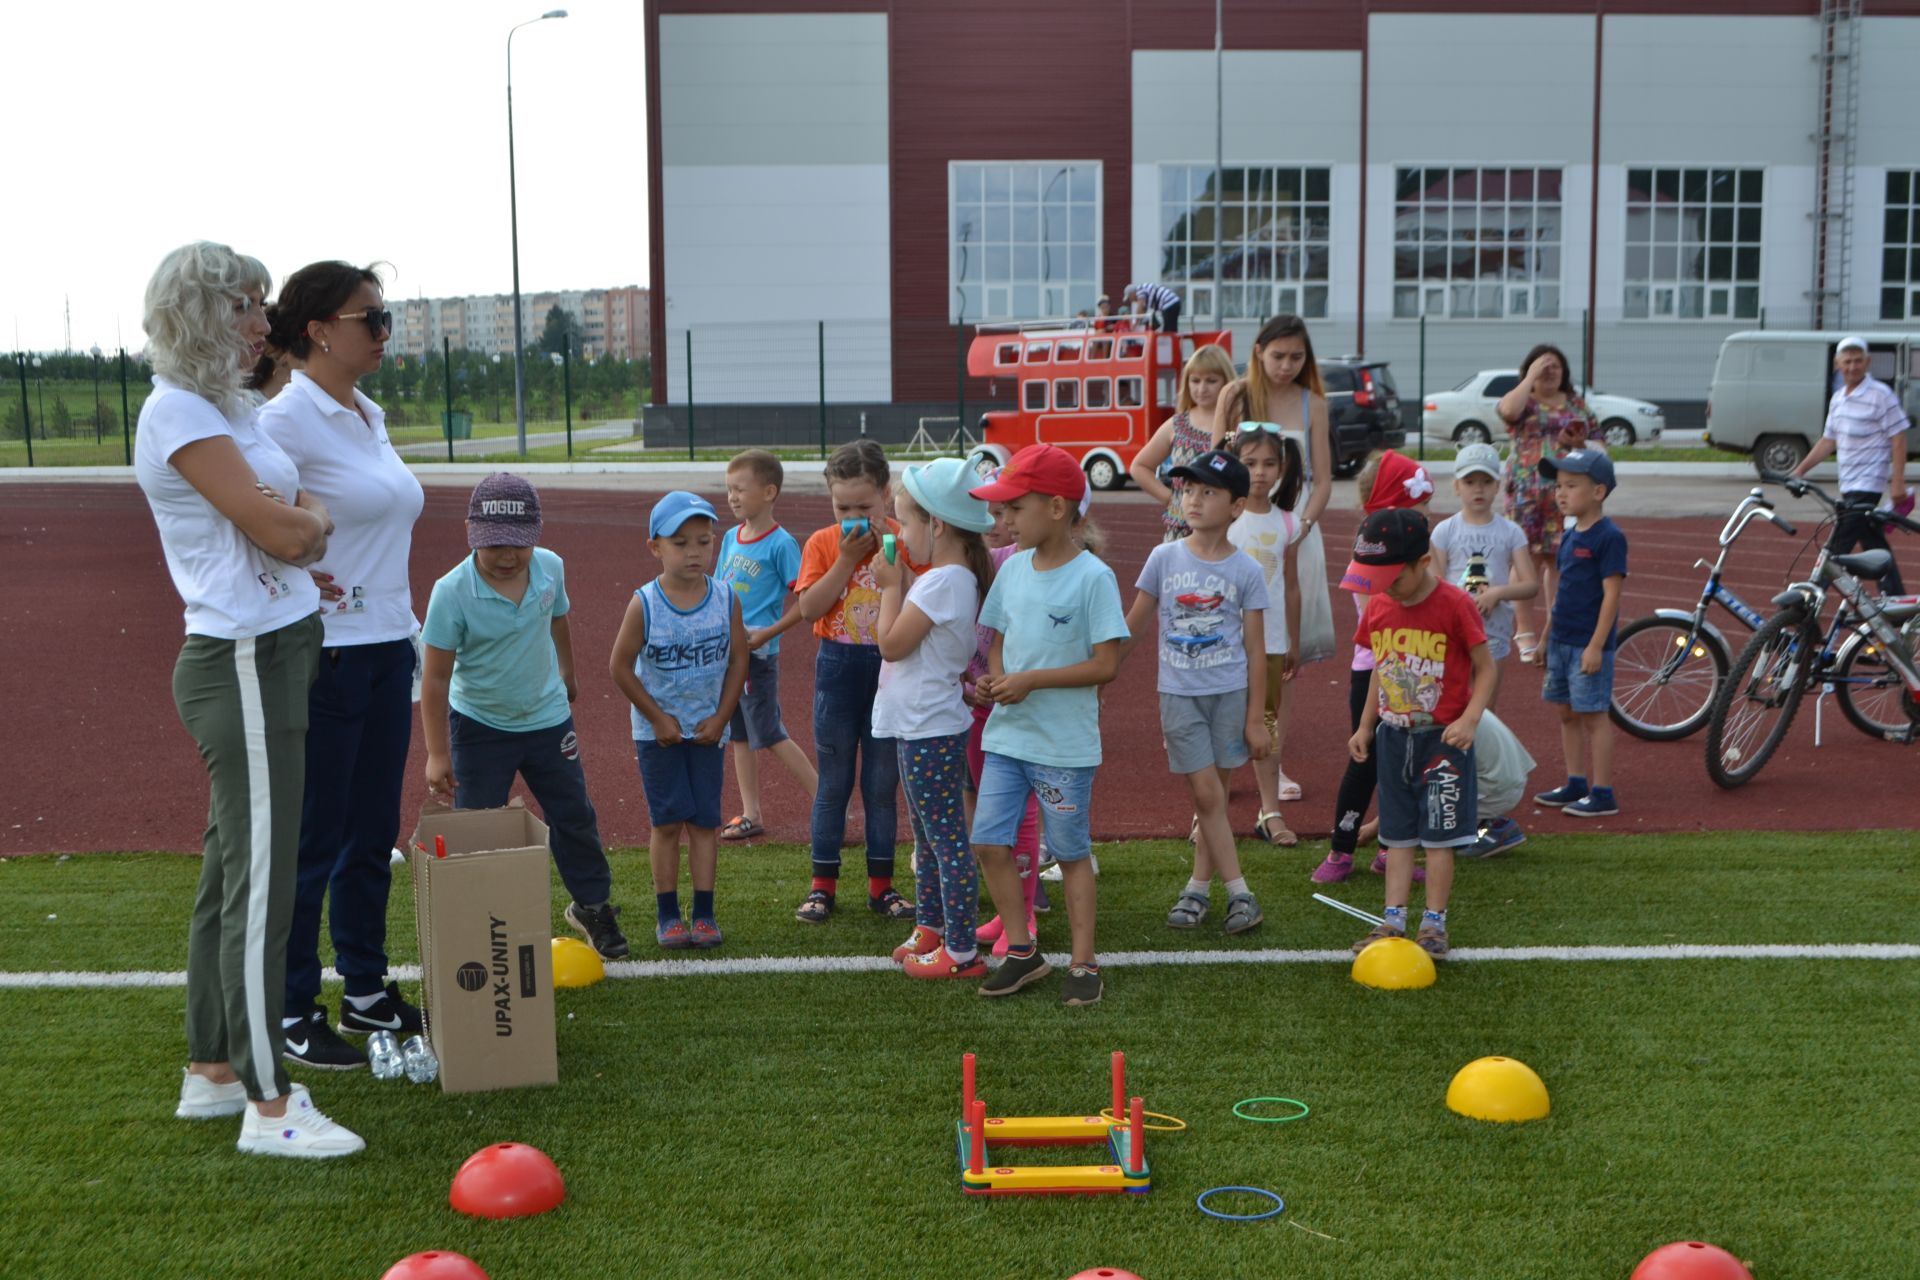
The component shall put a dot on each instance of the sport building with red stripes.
(1631, 179)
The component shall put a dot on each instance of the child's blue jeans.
(845, 678)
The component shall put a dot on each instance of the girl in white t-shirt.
(1269, 531)
(926, 638)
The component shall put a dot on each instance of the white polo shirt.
(1862, 424)
(233, 589)
(346, 461)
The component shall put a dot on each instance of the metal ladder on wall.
(1837, 117)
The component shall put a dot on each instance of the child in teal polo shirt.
(494, 692)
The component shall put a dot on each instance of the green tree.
(561, 329)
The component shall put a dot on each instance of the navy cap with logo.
(504, 511)
(1388, 539)
(1216, 469)
(1581, 462)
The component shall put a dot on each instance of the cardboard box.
(486, 947)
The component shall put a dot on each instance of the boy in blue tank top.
(681, 659)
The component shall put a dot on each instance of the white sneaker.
(303, 1132)
(202, 1099)
(1051, 872)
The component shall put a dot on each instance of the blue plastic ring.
(1279, 1205)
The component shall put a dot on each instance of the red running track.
(95, 758)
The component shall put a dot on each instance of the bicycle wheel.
(1757, 700)
(1871, 694)
(1665, 674)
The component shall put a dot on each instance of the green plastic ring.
(1292, 1102)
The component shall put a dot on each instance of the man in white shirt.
(1867, 428)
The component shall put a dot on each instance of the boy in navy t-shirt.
(1593, 569)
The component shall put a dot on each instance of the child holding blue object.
(1056, 609)
(1593, 569)
(494, 690)
(926, 640)
(681, 659)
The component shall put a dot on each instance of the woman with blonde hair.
(1195, 428)
(237, 531)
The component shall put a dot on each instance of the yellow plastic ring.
(1106, 1113)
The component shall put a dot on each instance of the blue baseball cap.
(675, 510)
(1581, 462)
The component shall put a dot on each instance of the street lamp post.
(513, 206)
(40, 393)
(494, 382)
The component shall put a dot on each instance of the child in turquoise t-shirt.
(1057, 611)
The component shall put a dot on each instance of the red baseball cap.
(1038, 468)
(1400, 482)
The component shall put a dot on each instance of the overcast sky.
(346, 129)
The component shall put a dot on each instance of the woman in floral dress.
(1542, 412)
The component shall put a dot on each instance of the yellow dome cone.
(575, 964)
(1393, 964)
(1499, 1089)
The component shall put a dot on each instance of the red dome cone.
(507, 1180)
(435, 1264)
(1690, 1260)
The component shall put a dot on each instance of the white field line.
(1120, 959)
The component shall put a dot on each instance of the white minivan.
(1771, 388)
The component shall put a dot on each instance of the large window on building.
(1476, 243)
(1025, 239)
(1900, 248)
(1693, 244)
(1275, 225)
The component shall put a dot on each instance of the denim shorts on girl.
(1005, 784)
(1429, 792)
(682, 782)
(1568, 685)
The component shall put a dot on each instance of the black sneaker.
(1083, 986)
(599, 927)
(388, 1013)
(1016, 972)
(312, 1043)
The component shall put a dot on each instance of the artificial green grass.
(770, 1125)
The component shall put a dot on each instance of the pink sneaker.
(1379, 868)
(991, 931)
(1000, 942)
(1337, 867)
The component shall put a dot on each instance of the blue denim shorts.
(682, 782)
(756, 720)
(1064, 793)
(1566, 683)
(1429, 791)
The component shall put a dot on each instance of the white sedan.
(1467, 413)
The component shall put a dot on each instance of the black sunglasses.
(378, 322)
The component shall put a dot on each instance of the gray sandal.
(1243, 913)
(1188, 912)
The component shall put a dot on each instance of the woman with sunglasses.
(236, 523)
(331, 321)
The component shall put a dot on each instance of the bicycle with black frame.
(1871, 645)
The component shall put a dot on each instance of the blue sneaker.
(1563, 794)
(1501, 835)
(1598, 803)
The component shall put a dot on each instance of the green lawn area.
(788, 1125)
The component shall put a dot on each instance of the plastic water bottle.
(384, 1056)
(422, 1067)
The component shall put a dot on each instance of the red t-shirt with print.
(1423, 656)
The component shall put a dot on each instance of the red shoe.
(1000, 942)
(991, 931)
(938, 964)
(921, 941)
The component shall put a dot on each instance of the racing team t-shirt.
(1423, 656)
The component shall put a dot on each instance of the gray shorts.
(756, 721)
(1204, 731)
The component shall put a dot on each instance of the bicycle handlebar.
(1799, 486)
